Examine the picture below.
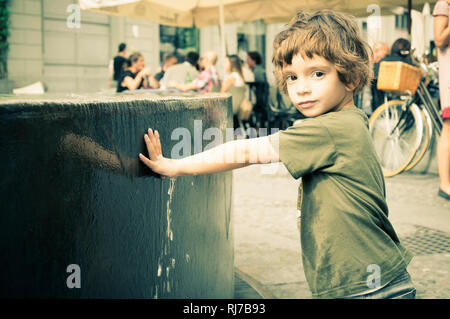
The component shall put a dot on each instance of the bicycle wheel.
(427, 133)
(396, 131)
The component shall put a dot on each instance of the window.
(178, 40)
(401, 21)
(252, 37)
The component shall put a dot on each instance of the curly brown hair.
(331, 35)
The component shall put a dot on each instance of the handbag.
(245, 109)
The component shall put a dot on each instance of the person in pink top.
(441, 15)
(208, 80)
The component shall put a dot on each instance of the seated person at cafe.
(136, 76)
(235, 85)
(184, 72)
(234, 81)
(208, 80)
(169, 59)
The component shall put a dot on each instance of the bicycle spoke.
(395, 135)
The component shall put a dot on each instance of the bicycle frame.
(422, 95)
(430, 106)
(405, 120)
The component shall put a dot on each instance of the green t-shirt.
(344, 223)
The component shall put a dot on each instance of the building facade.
(47, 44)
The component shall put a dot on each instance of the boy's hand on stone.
(157, 163)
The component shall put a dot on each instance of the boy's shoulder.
(347, 130)
(347, 119)
(350, 113)
(347, 124)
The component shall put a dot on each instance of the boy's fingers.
(152, 137)
(146, 161)
(154, 141)
(150, 148)
(158, 143)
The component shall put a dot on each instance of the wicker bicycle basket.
(398, 77)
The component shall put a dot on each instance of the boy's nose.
(303, 88)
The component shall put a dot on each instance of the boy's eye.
(318, 74)
(291, 78)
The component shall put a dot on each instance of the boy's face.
(314, 87)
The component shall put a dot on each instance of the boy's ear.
(350, 87)
(352, 84)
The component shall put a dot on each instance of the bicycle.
(402, 129)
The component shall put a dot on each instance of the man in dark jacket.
(119, 61)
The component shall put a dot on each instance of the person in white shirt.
(181, 73)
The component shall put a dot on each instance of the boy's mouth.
(306, 104)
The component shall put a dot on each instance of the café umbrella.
(201, 13)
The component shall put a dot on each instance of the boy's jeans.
(400, 287)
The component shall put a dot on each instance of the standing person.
(380, 50)
(320, 61)
(117, 65)
(137, 76)
(208, 80)
(254, 62)
(441, 15)
(260, 87)
(119, 60)
(184, 72)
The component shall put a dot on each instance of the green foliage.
(4, 33)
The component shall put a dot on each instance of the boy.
(349, 247)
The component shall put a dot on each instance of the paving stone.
(267, 244)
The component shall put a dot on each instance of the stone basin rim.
(105, 98)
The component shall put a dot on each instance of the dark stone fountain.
(82, 217)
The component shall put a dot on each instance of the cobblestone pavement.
(267, 244)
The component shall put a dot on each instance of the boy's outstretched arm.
(231, 155)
